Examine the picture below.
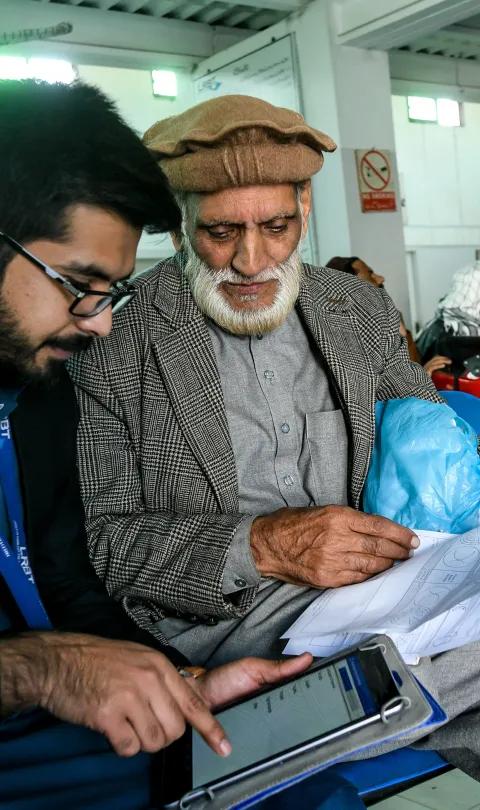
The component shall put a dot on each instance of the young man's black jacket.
(44, 426)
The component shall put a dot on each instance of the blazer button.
(192, 618)
(211, 621)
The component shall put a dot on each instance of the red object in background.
(445, 381)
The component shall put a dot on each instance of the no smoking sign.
(375, 180)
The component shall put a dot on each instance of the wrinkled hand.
(436, 363)
(232, 681)
(130, 693)
(326, 547)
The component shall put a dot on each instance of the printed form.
(427, 604)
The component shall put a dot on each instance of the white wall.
(440, 171)
(132, 92)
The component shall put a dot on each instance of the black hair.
(343, 263)
(64, 145)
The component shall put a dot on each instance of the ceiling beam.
(134, 5)
(364, 24)
(238, 15)
(463, 32)
(276, 5)
(213, 13)
(118, 31)
(262, 19)
(187, 9)
(103, 5)
(106, 57)
(160, 7)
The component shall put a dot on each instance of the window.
(164, 83)
(448, 112)
(49, 70)
(443, 111)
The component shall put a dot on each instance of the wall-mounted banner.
(375, 180)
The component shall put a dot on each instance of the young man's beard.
(17, 354)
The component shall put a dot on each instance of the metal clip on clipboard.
(194, 795)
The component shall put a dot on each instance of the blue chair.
(384, 776)
(465, 405)
(362, 783)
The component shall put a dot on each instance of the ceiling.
(253, 15)
(460, 41)
(472, 22)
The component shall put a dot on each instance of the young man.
(77, 677)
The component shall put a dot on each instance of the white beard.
(205, 282)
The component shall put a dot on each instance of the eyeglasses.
(87, 303)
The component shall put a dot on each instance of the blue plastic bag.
(425, 469)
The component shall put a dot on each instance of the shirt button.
(240, 583)
(269, 374)
(288, 480)
(259, 337)
(285, 427)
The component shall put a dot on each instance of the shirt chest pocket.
(327, 446)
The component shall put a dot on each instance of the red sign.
(375, 181)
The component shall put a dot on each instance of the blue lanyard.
(14, 562)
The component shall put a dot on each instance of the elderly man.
(228, 421)
(226, 430)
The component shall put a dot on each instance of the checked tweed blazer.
(156, 463)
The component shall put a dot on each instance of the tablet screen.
(285, 717)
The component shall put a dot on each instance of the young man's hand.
(131, 694)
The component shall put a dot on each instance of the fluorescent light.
(448, 112)
(13, 67)
(51, 70)
(48, 70)
(422, 109)
(164, 83)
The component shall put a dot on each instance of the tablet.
(333, 698)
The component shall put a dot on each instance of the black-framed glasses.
(87, 302)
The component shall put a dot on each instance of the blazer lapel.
(187, 363)
(327, 314)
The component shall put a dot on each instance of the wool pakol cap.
(236, 141)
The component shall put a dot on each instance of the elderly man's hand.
(326, 547)
(239, 678)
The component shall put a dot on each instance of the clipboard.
(421, 710)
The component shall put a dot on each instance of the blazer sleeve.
(401, 377)
(74, 597)
(156, 563)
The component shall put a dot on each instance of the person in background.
(458, 312)
(357, 267)
(86, 696)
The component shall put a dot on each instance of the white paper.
(428, 604)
